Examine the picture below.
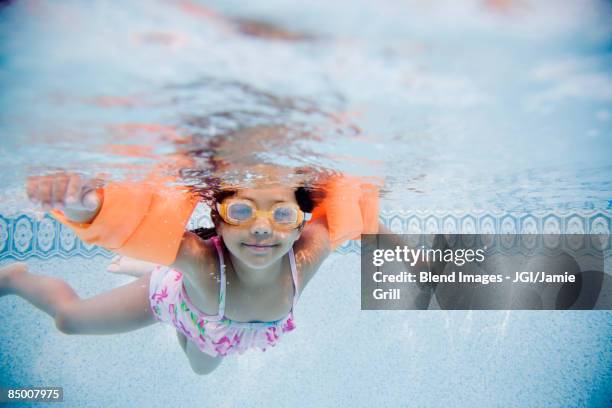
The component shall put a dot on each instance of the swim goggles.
(282, 215)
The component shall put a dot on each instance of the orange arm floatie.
(138, 220)
(147, 221)
(351, 208)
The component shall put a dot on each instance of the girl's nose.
(261, 226)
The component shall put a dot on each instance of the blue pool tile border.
(25, 237)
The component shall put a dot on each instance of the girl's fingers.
(32, 189)
(58, 190)
(73, 190)
(64, 190)
(114, 268)
(45, 192)
(89, 194)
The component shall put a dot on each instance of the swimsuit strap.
(221, 313)
(294, 275)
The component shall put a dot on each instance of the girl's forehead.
(267, 194)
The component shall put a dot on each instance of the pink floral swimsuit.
(214, 335)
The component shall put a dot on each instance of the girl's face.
(260, 243)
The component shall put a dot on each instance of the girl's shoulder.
(199, 262)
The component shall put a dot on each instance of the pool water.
(489, 116)
(486, 105)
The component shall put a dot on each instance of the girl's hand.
(130, 266)
(77, 197)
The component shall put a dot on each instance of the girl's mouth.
(259, 248)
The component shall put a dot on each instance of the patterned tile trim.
(23, 237)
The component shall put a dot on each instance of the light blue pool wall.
(339, 355)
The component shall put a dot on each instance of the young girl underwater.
(226, 289)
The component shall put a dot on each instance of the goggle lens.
(240, 211)
(285, 215)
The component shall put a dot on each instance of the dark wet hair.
(306, 197)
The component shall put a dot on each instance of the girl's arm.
(313, 247)
(144, 220)
(350, 208)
